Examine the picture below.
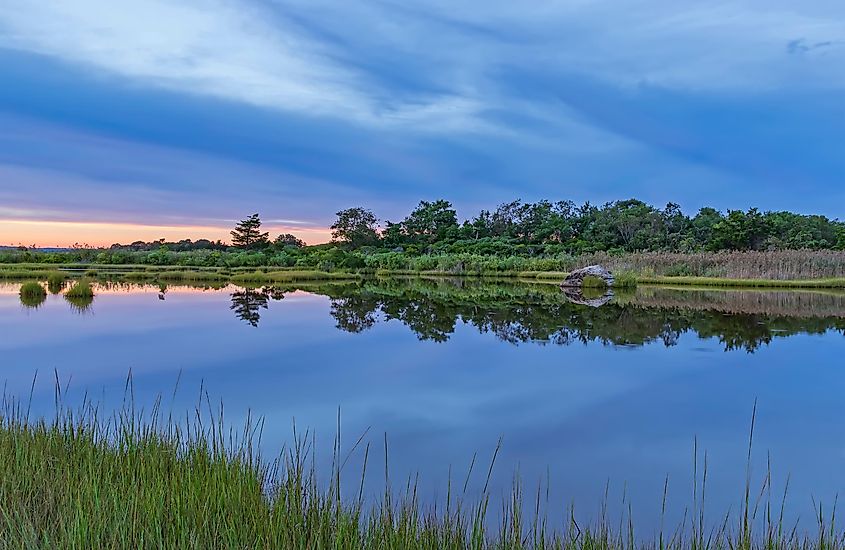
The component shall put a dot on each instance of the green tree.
(286, 239)
(431, 222)
(741, 231)
(703, 224)
(356, 227)
(247, 233)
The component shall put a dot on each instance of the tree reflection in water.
(248, 302)
(540, 313)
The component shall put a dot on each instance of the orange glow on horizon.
(103, 234)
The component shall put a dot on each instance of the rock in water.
(576, 278)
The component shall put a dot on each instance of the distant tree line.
(564, 227)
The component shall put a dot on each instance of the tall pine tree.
(247, 233)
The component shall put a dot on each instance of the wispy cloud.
(347, 60)
(231, 50)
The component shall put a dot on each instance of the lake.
(589, 401)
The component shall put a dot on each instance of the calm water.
(582, 396)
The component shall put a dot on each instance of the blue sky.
(172, 114)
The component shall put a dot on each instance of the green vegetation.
(247, 234)
(516, 237)
(543, 240)
(56, 281)
(593, 282)
(19, 274)
(261, 277)
(81, 289)
(188, 276)
(32, 294)
(625, 280)
(744, 283)
(145, 481)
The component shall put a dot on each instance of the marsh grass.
(744, 283)
(81, 289)
(32, 294)
(146, 479)
(80, 296)
(191, 276)
(261, 277)
(56, 281)
(20, 274)
(593, 282)
(626, 280)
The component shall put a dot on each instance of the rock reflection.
(587, 296)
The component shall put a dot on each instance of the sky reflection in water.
(445, 368)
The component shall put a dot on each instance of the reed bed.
(774, 265)
(146, 480)
(191, 276)
(261, 277)
(745, 283)
(20, 274)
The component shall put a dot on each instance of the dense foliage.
(623, 226)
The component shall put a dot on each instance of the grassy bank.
(81, 481)
(645, 269)
(505, 259)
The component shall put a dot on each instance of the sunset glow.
(99, 234)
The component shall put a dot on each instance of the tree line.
(564, 227)
(547, 227)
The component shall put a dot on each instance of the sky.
(147, 119)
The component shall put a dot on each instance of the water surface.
(580, 396)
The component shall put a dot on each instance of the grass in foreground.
(80, 481)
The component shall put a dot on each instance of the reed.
(744, 283)
(136, 479)
(261, 277)
(625, 280)
(81, 289)
(56, 281)
(32, 294)
(190, 276)
(592, 282)
(20, 274)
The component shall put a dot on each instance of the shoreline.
(176, 273)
